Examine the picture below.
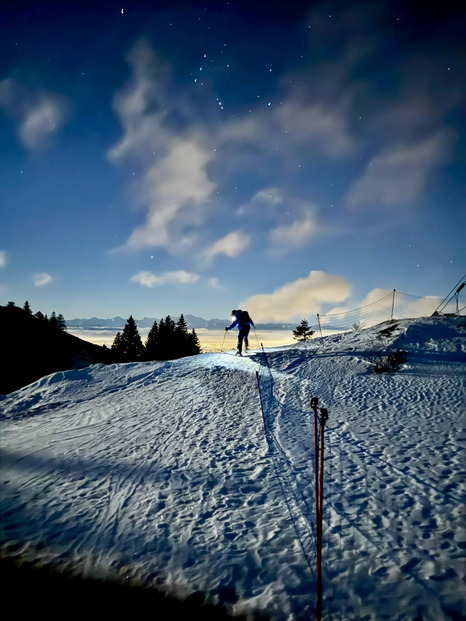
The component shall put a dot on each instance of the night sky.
(289, 157)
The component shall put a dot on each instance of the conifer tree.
(131, 341)
(303, 332)
(117, 347)
(180, 338)
(152, 343)
(193, 344)
(61, 323)
(53, 321)
(165, 339)
(27, 308)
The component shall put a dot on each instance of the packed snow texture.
(171, 472)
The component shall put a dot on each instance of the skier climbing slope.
(243, 322)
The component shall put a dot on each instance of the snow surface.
(169, 472)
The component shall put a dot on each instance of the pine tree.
(40, 316)
(151, 348)
(117, 348)
(194, 346)
(53, 321)
(61, 323)
(303, 332)
(180, 338)
(166, 334)
(27, 308)
(131, 341)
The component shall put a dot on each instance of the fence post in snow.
(320, 327)
(393, 305)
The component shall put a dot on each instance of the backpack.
(244, 317)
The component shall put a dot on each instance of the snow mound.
(197, 474)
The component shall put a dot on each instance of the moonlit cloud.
(214, 283)
(298, 299)
(174, 186)
(38, 113)
(398, 175)
(177, 187)
(178, 168)
(42, 279)
(294, 235)
(231, 245)
(305, 120)
(268, 195)
(149, 279)
(3, 258)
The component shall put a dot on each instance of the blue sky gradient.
(292, 158)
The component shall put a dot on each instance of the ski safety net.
(394, 305)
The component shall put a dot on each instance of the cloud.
(174, 186)
(300, 298)
(398, 175)
(38, 113)
(148, 279)
(375, 295)
(42, 279)
(294, 235)
(182, 161)
(214, 283)
(177, 187)
(141, 106)
(3, 258)
(299, 121)
(231, 245)
(268, 195)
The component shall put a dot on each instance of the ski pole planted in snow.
(319, 493)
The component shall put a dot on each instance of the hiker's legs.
(243, 336)
(246, 334)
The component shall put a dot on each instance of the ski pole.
(255, 333)
(224, 335)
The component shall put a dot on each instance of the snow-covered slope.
(170, 472)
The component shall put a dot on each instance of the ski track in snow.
(169, 472)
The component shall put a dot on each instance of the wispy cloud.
(268, 195)
(300, 298)
(294, 235)
(214, 283)
(174, 185)
(182, 161)
(3, 258)
(42, 279)
(231, 245)
(38, 113)
(300, 120)
(398, 175)
(149, 279)
(177, 186)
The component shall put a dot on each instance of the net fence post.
(393, 305)
(320, 327)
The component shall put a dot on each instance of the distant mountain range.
(193, 322)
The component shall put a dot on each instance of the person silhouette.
(243, 322)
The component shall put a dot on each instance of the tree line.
(56, 322)
(166, 340)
